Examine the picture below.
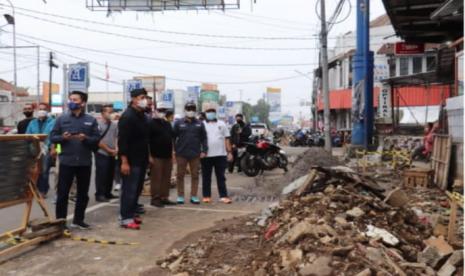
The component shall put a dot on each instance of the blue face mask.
(210, 116)
(73, 106)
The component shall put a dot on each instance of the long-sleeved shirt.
(190, 138)
(240, 133)
(44, 126)
(161, 138)
(23, 124)
(74, 152)
(133, 137)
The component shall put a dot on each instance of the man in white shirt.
(219, 152)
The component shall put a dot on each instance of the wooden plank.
(452, 222)
(22, 137)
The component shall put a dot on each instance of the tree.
(262, 111)
(247, 111)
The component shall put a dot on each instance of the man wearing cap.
(78, 133)
(43, 124)
(133, 146)
(190, 145)
(219, 152)
(161, 152)
(240, 133)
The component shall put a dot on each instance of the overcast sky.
(265, 18)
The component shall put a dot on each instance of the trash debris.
(334, 221)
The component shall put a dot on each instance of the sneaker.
(206, 200)
(117, 187)
(168, 202)
(157, 203)
(131, 225)
(180, 200)
(140, 211)
(80, 225)
(138, 220)
(226, 200)
(195, 200)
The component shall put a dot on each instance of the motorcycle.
(260, 155)
(299, 139)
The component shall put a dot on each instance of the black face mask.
(239, 122)
(28, 113)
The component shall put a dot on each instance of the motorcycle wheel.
(248, 166)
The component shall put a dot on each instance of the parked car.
(259, 129)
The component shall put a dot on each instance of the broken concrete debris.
(339, 223)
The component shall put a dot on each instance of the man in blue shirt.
(77, 133)
(43, 124)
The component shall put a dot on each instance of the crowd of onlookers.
(145, 138)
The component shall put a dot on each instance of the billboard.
(160, 5)
(233, 108)
(273, 98)
(209, 86)
(167, 99)
(56, 96)
(206, 97)
(153, 83)
(193, 94)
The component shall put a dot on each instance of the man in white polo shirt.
(219, 152)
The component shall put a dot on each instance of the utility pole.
(51, 64)
(38, 74)
(324, 73)
(362, 91)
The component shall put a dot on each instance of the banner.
(209, 86)
(78, 77)
(129, 86)
(233, 108)
(273, 96)
(193, 94)
(167, 99)
(385, 102)
(212, 97)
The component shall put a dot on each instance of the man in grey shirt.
(105, 157)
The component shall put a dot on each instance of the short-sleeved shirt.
(110, 137)
(217, 132)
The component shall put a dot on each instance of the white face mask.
(190, 114)
(142, 103)
(42, 113)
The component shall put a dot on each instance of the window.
(417, 64)
(403, 66)
(392, 67)
(430, 63)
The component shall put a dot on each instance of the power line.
(166, 31)
(168, 78)
(159, 40)
(164, 59)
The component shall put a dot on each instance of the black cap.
(190, 104)
(138, 92)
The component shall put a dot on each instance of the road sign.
(78, 77)
(129, 86)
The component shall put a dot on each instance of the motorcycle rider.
(240, 133)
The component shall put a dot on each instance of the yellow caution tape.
(456, 197)
(67, 234)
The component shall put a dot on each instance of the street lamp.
(10, 19)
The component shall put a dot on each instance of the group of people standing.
(138, 143)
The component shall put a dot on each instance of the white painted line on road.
(95, 207)
(209, 210)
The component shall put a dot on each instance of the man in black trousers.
(77, 132)
(133, 146)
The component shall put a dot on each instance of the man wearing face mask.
(43, 124)
(161, 151)
(190, 145)
(219, 152)
(78, 133)
(105, 156)
(133, 147)
(240, 133)
(28, 111)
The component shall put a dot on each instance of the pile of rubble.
(335, 222)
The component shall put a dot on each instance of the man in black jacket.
(133, 146)
(191, 145)
(240, 133)
(161, 162)
(77, 133)
(28, 111)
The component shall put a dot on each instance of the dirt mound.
(274, 183)
(336, 223)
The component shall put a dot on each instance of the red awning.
(408, 96)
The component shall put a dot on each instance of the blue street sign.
(78, 77)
